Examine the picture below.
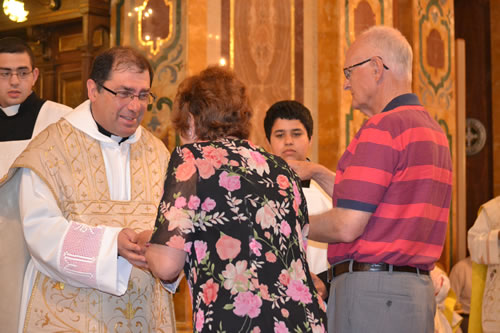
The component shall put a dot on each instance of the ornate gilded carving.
(166, 51)
(435, 42)
(434, 81)
(475, 136)
(154, 24)
(359, 16)
(362, 14)
(435, 50)
(364, 17)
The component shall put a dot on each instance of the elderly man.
(22, 116)
(89, 183)
(391, 197)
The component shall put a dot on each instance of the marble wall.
(263, 42)
(158, 28)
(293, 49)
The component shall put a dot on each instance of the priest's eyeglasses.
(348, 70)
(127, 96)
(22, 74)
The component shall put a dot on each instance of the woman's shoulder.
(232, 150)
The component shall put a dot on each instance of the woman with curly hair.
(233, 217)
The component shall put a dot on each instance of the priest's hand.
(129, 249)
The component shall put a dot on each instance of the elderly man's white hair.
(393, 47)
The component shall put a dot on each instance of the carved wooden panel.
(58, 56)
(473, 21)
(183, 308)
(69, 84)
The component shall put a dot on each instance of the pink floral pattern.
(271, 257)
(210, 290)
(280, 327)
(194, 202)
(247, 304)
(185, 171)
(255, 247)
(230, 183)
(208, 204)
(228, 247)
(205, 168)
(200, 248)
(299, 292)
(199, 321)
(236, 277)
(180, 202)
(283, 182)
(177, 242)
(239, 214)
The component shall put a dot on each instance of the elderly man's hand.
(129, 249)
(304, 169)
(310, 170)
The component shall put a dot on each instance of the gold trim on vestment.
(71, 164)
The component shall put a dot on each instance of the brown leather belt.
(343, 267)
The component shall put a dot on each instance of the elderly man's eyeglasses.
(22, 74)
(348, 70)
(127, 96)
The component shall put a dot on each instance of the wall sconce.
(14, 9)
(54, 4)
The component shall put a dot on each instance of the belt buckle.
(379, 267)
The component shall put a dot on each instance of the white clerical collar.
(11, 110)
(81, 118)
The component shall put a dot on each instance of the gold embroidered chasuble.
(71, 163)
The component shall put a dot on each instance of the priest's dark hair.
(118, 58)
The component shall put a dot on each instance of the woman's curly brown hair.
(218, 102)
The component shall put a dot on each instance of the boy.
(289, 128)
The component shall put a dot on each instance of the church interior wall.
(495, 91)
(282, 49)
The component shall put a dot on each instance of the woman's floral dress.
(240, 215)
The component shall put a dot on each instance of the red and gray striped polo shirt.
(398, 167)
